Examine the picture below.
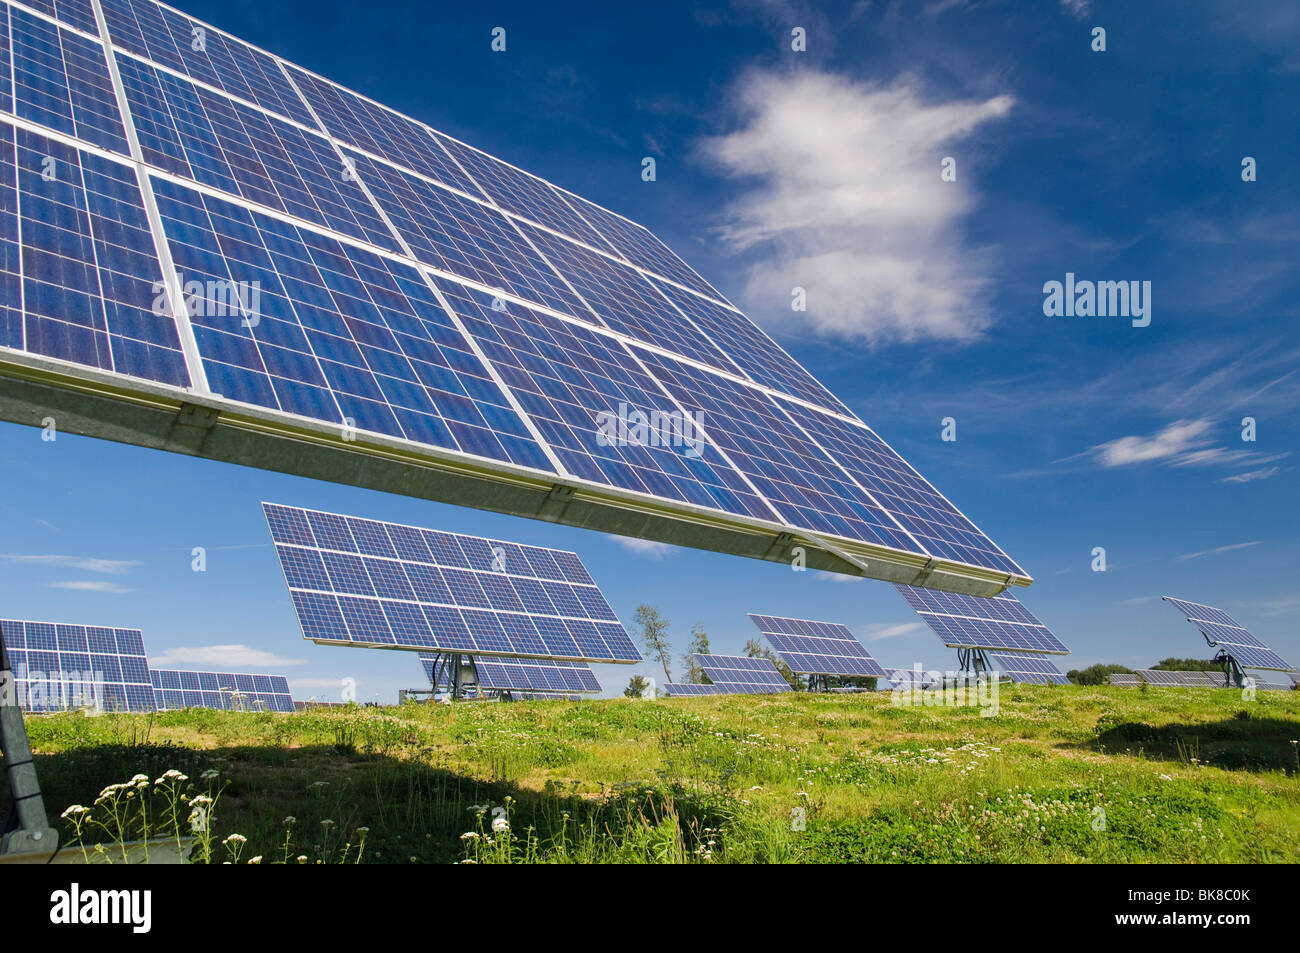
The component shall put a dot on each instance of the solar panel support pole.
(453, 677)
(26, 834)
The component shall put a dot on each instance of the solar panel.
(520, 674)
(60, 667)
(1264, 683)
(684, 690)
(742, 675)
(1223, 631)
(963, 621)
(1154, 676)
(1120, 678)
(1032, 669)
(225, 691)
(900, 678)
(817, 648)
(384, 585)
(237, 239)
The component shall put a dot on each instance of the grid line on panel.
(434, 591)
(77, 14)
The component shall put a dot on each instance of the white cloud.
(644, 547)
(222, 658)
(111, 567)
(1077, 8)
(880, 630)
(89, 585)
(823, 576)
(843, 198)
(1220, 549)
(1250, 476)
(1183, 443)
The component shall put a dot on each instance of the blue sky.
(925, 300)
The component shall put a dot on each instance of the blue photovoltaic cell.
(817, 648)
(739, 674)
(1022, 667)
(806, 486)
(523, 194)
(381, 132)
(75, 13)
(749, 348)
(963, 621)
(226, 691)
(61, 81)
(197, 134)
(625, 300)
(6, 52)
(934, 523)
(638, 246)
(1223, 631)
(684, 690)
(340, 335)
(569, 379)
(464, 238)
(202, 53)
(384, 585)
(60, 667)
(522, 674)
(89, 264)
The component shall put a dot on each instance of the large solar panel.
(817, 648)
(60, 667)
(1031, 669)
(738, 674)
(226, 691)
(384, 585)
(191, 226)
(963, 621)
(542, 676)
(1223, 631)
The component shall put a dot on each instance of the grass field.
(1061, 774)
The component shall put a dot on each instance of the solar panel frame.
(258, 106)
(817, 648)
(345, 591)
(61, 666)
(739, 674)
(1001, 623)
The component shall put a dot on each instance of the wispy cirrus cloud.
(881, 630)
(112, 567)
(1183, 443)
(843, 198)
(89, 585)
(647, 548)
(1251, 476)
(1219, 549)
(228, 658)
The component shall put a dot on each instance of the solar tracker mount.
(246, 262)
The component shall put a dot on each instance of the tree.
(756, 650)
(654, 637)
(699, 646)
(1096, 674)
(1187, 665)
(637, 686)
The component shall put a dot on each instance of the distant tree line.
(1100, 674)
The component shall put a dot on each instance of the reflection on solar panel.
(189, 219)
(1032, 669)
(1221, 630)
(512, 675)
(817, 648)
(973, 622)
(736, 674)
(683, 689)
(1120, 678)
(384, 585)
(60, 667)
(227, 691)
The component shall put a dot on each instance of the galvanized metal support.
(26, 835)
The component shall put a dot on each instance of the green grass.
(1064, 774)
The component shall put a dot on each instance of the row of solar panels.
(60, 667)
(1197, 680)
(325, 259)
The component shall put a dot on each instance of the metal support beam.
(26, 834)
